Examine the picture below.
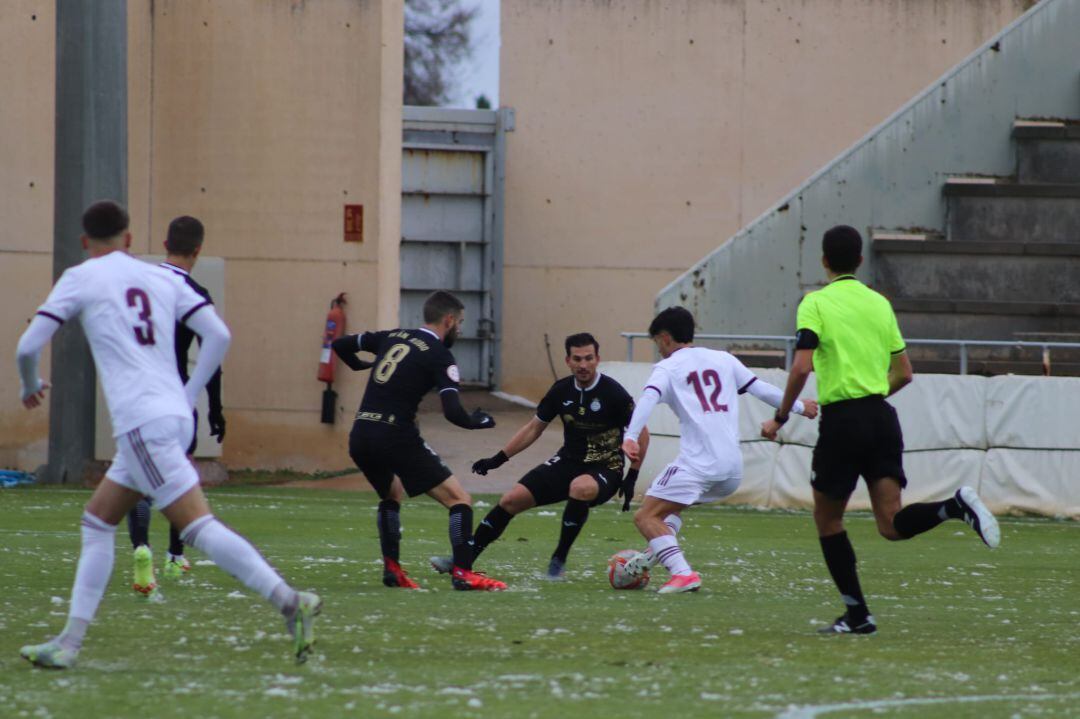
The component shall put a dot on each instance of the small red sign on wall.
(354, 223)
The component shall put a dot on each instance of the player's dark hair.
(677, 322)
(842, 247)
(439, 304)
(581, 339)
(104, 220)
(185, 236)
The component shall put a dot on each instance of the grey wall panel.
(445, 218)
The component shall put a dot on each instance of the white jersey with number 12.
(702, 387)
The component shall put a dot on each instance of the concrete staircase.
(1007, 267)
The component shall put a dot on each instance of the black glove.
(217, 425)
(483, 466)
(626, 489)
(481, 420)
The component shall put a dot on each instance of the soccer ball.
(622, 579)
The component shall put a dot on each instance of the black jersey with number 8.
(408, 364)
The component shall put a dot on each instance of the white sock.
(674, 523)
(236, 556)
(91, 577)
(666, 550)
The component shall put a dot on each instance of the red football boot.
(394, 576)
(465, 580)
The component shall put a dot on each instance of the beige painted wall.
(649, 131)
(27, 85)
(262, 119)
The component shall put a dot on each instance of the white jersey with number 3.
(129, 310)
(702, 387)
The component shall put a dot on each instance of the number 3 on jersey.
(144, 333)
(389, 363)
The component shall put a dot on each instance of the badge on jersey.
(453, 373)
(595, 406)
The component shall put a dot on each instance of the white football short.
(152, 460)
(680, 485)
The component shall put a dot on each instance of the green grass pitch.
(964, 632)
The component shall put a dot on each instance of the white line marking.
(811, 712)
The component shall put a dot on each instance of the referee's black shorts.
(382, 453)
(857, 437)
(550, 482)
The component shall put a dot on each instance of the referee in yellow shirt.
(847, 334)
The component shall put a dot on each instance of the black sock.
(388, 520)
(918, 518)
(573, 519)
(490, 528)
(176, 546)
(139, 523)
(461, 535)
(840, 559)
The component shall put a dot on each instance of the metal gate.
(451, 225)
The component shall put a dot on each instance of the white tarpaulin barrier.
(1011, 438)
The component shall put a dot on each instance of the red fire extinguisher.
(335, 327)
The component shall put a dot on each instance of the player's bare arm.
(626, 489)
(801, 367)
(900, 372)
(522, 439)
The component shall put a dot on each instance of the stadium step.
(983, 271)
(1047, 151)
(994, 210)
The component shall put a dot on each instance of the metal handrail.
(789, 344)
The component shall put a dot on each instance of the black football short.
(550, 482)
(857, 437)
(381, 455)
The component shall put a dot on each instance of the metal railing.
(789, 345)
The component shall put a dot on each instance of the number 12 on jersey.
(708, 378)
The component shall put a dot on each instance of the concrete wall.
(263, 119)
(650, 131)
(893, 177)
(27, 86)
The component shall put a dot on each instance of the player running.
(848, 335)
(183, 243)
(587, 469)
(702, 386)
(385, 440)
(128, 310)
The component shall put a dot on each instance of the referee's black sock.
(840, 559)
(139, 523)
(573, 519)
(388, 520)
(490, 528)
(918, 518)
(461, 535)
